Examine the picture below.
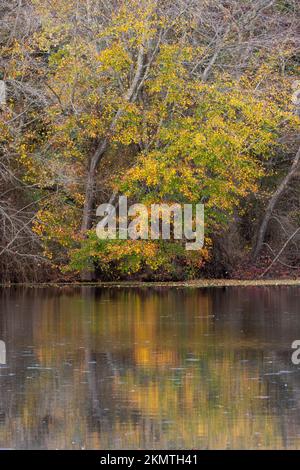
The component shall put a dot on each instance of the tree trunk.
(86, 223)
(88, 275)
(130, 96)
(87, 215)
(271, 205)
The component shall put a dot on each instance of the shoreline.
(179, 284)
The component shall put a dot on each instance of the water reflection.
(149, 368)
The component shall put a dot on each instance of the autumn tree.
(181, 101)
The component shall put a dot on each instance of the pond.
(149, 368)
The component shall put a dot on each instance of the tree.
(99, 91)
(272, 203)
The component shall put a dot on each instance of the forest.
(182, 101)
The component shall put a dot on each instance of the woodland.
(182, 101)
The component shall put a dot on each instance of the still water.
(131, 368)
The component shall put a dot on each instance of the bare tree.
(272, 203)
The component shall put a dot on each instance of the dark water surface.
(149, 368)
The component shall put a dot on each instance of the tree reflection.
(149, 368)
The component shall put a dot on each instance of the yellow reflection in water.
(139, 369)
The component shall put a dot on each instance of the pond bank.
(194, 284)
